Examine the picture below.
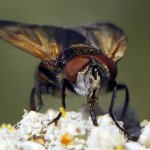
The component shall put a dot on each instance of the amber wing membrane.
(44, 42)
(106, 36)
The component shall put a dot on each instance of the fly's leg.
(36, 92)
(63, 103)
(44, 88)
(46, 82)
(121, 87)
(32, 100)
(126, 102)
(113, 100)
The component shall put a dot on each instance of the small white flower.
(145, 135)
(134, 146)
(29, 145)
(106, 136)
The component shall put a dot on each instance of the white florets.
(72, 132)
(105, 133)
(145, 135)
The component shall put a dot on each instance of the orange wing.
(106, 36)
(44, 42)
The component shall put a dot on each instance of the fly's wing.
(44, 42)
(106, 36)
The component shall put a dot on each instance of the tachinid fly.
(82, 59)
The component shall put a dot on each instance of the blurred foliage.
(17, 68)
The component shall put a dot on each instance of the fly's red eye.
(74, 66)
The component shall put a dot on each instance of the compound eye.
(73, 67)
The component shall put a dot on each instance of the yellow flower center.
(65, 139)
(119, 148)
(7, 126)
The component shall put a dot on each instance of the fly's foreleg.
(45, 83)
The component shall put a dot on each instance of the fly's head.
(87, 75)
(95, 77)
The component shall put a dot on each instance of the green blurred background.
(17, 67)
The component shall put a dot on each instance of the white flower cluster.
(145, 136)
(72, 132)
